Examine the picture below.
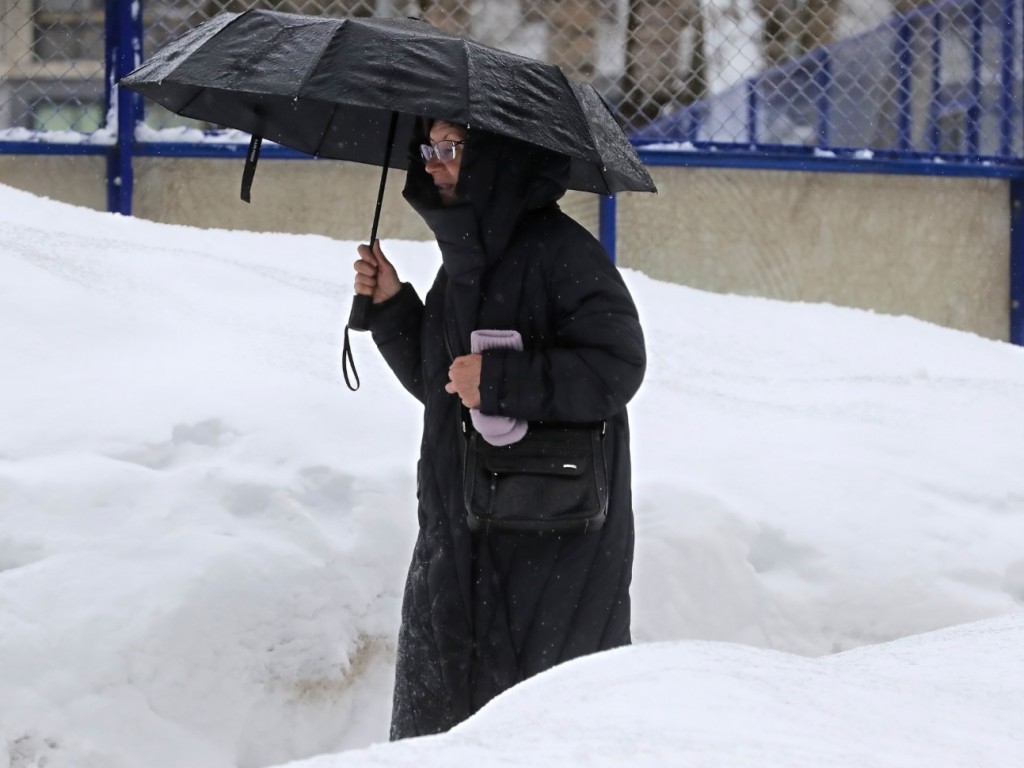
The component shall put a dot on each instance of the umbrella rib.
(199, 92)
(603, 171)
(316, 59)
(323, 135)
(202, 90)
(305, 81)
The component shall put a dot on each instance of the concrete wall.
(309, 196)
(305, 196)
(76, 180)
(932, 248)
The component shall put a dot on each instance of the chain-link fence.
(873, 74)
(940, 79)
(51, 64)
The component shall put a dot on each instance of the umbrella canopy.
(329, 87)
(353, 88)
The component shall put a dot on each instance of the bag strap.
(462, 412)
(444, 319)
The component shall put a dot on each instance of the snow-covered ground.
(203, 533)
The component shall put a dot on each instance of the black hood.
(500, 181)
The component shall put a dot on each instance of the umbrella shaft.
(359, 316)
(384, 176)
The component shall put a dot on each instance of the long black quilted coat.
(483, 612)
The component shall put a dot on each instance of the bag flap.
(509, 462)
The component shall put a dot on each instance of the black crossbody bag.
(553, 480)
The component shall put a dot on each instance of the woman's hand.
(464, 380)
(375, 275)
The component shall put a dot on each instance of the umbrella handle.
(358, 318)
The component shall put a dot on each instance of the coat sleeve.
(594, 359)
(395, 325)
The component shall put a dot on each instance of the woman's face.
(445, 173)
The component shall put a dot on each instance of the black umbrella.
(335, 87)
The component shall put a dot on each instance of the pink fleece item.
(496, 430)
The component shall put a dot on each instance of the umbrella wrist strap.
(347, 361)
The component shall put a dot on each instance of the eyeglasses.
(442, 150)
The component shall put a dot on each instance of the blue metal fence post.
(606, 223)
(1017, 261)
(123, 51)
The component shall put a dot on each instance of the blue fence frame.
(123, 53)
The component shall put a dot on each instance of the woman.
(482, 612)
